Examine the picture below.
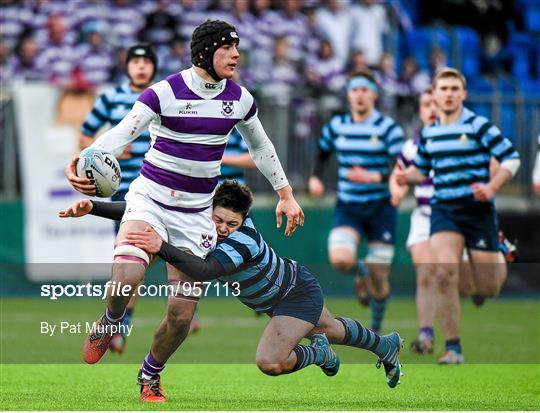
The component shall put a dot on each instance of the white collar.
(203, 87)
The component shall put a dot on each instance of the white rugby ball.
(102, 169)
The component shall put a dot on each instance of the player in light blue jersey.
(282, 288)
(110, 108)
(366, 144)
(458, 148)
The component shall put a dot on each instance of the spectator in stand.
(118, 72)
(335, 23)
(437, 61)
(125, 21)
(174, 58)
(41, 13)
(358, 62)
(160, 26)
(325, 72)
(193, 13)
(280, 82)
(265, 23)
(293, 25)
(387, 79)
(14, 21)
(95, 57)
(240, 17)
(5, 72)
(371, 24)
(411, 83)
(89, 11)
(23, 64)
(57, 56)
(314, 36)
(412, 80)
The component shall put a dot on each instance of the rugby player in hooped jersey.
(190, 115)
(458, 148)
(366, 143)
(282, 288)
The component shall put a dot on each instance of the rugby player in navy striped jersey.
(458, 148)
(366, 143)
(282, 288)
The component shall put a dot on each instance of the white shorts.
(420, 225)
(195, 231)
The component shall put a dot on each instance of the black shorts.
(476, 221)
(376, 220)
(305, 301)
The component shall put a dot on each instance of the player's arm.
(114, 141)
(194, 267)
(111, 210)
(265, 157)
(242, 160)
(324, 153)
(95, 120)
(503, 151)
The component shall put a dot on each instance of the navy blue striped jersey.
(264, 277)
(111, 107)
(235, 146)
(459, 154)
(372, 145)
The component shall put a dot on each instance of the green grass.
(501, 342)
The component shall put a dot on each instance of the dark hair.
(368, 74)
(234, 196)
(145, 50)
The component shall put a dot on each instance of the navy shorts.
(305, 301)
(476, 221)
(376, 220)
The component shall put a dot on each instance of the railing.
(294, 128)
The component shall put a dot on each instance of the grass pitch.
(214, 370)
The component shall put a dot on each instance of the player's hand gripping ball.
(102, 169)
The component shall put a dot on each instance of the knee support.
(342, 239)
(380, 254)
(129, 252)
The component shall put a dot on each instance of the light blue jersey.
(459, 154)
(372, 145)
(264, 277)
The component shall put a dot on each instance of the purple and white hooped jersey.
(189, 134)
(424, 191)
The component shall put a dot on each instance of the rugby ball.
(102, 169)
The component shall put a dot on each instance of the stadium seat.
(532, 18)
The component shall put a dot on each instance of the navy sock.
(378, 308)
(151, 366)
(114, 318)
(454, 345)
(356, 335)
(306, 355)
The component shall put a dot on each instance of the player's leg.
(489, 272)
(196, 233)
(170, 334)
(447, 249)
(128, 269)
(342, 247)
(379, 226)
(118, 342)
(278, 351)
(349, 332)
(295, 315)
(425, 296)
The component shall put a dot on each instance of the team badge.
(227, 107)
(374, 139)
(206, 241)
(463, 139)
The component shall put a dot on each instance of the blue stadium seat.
(532, 18)
(480, 91)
